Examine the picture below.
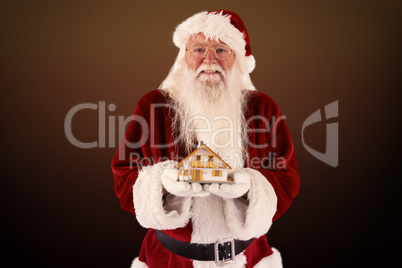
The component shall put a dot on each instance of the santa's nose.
(210, 57)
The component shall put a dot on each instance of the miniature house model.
(203, 166)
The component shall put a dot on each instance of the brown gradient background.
(58, 204)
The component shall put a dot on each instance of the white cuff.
(138, 264)
(257, 218)
(148, 203)
(272, 261)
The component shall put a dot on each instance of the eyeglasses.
(221, 51)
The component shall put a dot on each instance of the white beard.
(210, 109)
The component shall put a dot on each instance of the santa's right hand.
(180, 188)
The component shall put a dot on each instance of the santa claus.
(208, 96)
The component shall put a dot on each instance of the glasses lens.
(199, 51)
(222, 52)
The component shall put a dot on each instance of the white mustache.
(210, 68)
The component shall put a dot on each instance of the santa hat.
(224, 25)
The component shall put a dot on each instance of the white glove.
(239, 188)
(180, 188)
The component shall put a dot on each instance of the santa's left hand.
(239, 188)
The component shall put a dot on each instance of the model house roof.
(203, 146)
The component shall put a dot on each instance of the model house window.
(210, 158)
(198, 157)
(217, 173)
(184, 172)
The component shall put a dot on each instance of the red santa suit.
(150, 145)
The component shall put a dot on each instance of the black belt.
(220, 252)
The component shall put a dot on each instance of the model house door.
(197, 175)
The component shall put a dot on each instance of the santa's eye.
(199, 50)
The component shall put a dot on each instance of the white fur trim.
(148, 202)
(250, 63)
(239, 262)
(261, 209)
(213, 25)
(272, 261)
(138, 264)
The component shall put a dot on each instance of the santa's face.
(210, 68)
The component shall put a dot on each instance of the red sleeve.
(125, 164)
(149, 128)
(135, 150)
(271, 150)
